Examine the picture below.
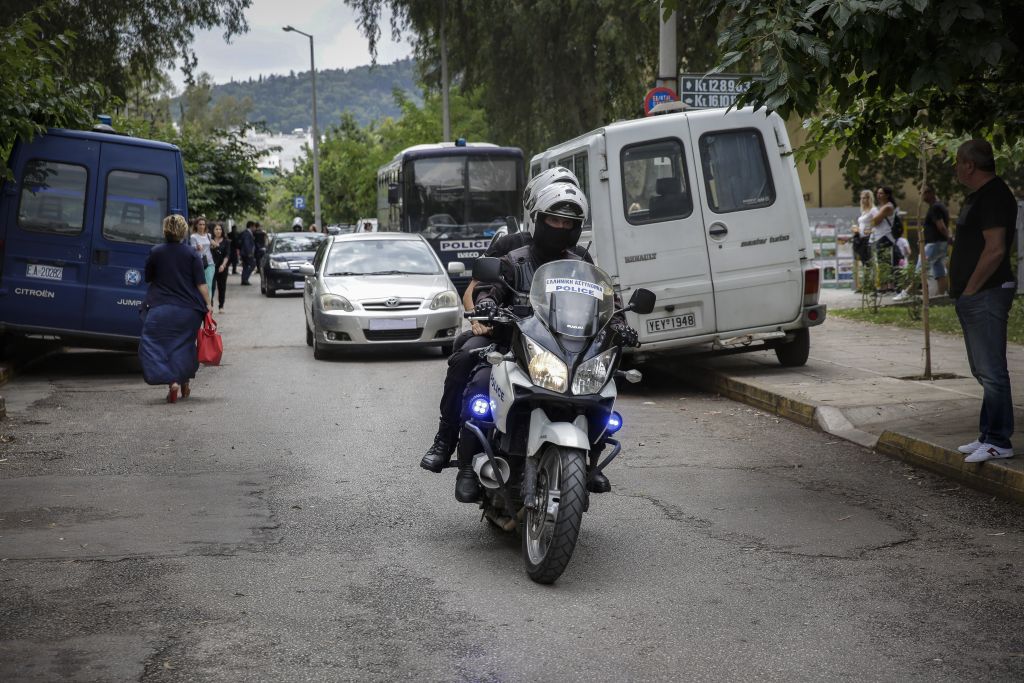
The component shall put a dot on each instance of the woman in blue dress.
(174, 307)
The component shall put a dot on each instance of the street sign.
(700, 91)
(300, 203)
(656, 96)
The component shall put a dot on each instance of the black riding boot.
(467, 487)
(438, 455)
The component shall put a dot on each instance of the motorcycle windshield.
(572, 298)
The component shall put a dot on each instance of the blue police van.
(77, 222)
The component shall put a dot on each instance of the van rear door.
(746, 196)
(657, 230)
(48, 213)
(134, 189)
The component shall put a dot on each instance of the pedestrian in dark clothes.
(981, 282)
(233, 257)
(175, 303)
(220, 246)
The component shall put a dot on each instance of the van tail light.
(812, 286)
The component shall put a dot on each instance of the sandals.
(172, 394)
(186, 390)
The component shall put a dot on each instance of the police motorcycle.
(549, 411)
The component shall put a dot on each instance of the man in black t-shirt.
(982, 283)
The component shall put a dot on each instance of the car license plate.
(393, 323)
(42, 272)
(673, 322)
(299, 284)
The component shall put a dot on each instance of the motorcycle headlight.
(592, 375)
(333, 302)
(547, 371)
(445, 300)
(278, 265)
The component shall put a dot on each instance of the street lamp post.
(316, 132)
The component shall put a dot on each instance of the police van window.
(135, 206)
(52, 197)
(736, 172)
(654, 182)
(534, 170)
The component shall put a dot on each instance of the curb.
(997, 477)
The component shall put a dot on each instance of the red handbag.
(209, 343)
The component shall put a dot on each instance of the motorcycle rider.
(464, 358)
(558, 214)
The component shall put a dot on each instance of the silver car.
(378, 288)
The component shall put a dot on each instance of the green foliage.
(36, 90)
(549, 70)
(282, 103)
(120, 43)
(220, 167)
(866, 68)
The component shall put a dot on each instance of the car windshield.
(573, 298)
(286, 244)
(381, 257)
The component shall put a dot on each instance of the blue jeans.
(936, 253)
(983, 317)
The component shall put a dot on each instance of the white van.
(704, 208)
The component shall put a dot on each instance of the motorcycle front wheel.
(549, 533)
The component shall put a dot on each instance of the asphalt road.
(276, 527)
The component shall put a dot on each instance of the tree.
(119, 42)
(548, 70)
(866, 68)
(37, 91)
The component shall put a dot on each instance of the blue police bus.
(457, 195)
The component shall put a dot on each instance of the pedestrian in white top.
(200, 241)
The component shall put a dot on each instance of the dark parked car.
(280, 265)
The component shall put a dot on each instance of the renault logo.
(391, 303)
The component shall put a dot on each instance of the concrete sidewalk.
(857, 386)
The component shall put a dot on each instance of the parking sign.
(300, 203)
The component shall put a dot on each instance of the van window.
(577, 163)
(738, 159)
(654, 182)
(534, 170)
(53, 197)
(136, 205)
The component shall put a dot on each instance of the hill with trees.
(282, 101)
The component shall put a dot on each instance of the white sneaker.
(969, 448)
(989, 452)
(902, 296)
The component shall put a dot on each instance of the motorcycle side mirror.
(512, 223)
(487, 269)
(642, 301)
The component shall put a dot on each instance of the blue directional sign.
(300, 203)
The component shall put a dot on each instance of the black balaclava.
(552, 242)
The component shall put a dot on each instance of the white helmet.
(561, 199)
(557, 174)
(297, 221)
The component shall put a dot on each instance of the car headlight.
(592, 375)
(278, 265)
(333, 302)
(547, 371)
(445, 300)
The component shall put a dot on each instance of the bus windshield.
(462, 197)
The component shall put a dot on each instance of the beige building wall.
(824, 187)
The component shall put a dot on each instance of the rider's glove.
(629, 336)
(485, 307)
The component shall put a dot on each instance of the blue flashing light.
(461, 142)
(480, 407)
(105, 119)
(614, 422)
